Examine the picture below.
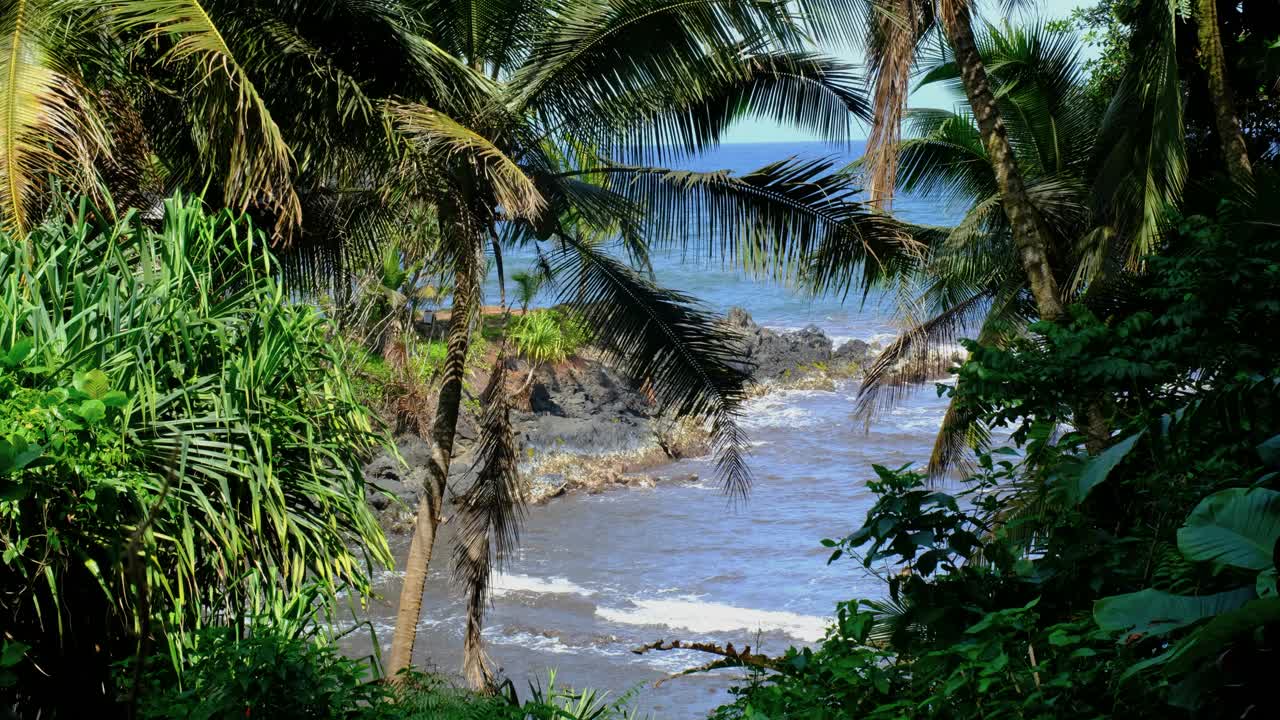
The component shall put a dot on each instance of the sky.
(936, 96)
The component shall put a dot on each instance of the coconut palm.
(894, 31)
(268, 106)
(971, 279)
(1234, 154)
(573, 103)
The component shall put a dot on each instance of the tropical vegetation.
(243, 243)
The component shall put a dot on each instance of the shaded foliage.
(1137, 582)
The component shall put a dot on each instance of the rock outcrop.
(582, 426)
(772, 355)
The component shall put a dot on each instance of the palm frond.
(772, 220)
(916, 356)
(945, 157)
(1142, 163)
(664, 338)
(594, 51)
(48, 127)
(491, 510)
(798, 89)
(962, 430)
(236, 132)
(433, 132)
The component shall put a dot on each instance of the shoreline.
(583, 403)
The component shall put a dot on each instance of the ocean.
(599, 575)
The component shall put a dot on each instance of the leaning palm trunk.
(1029, 233)
(1234, 153)
(466, 289)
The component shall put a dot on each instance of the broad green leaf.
(1097, 469)
(16, 453)
(12, 653)
(93, 383)
(92, 411)
(1265, 585)
(19, 352)
(24, 452)
(1269, 451)
(1156, 612)
(115, 398)
(1237, 527)
(1209, 640)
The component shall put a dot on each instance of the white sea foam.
(708, 617)
(779, 410)
(505, 583)
(923, 420)
(541, 643)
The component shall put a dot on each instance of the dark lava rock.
(385, 474)
(853, 352)
(583, 406)
(770, 354)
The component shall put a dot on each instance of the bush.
(1135, 581)
(266, 674)
(283, 672)
(182, 447)
(548, 336)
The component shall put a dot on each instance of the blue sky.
(933, 96)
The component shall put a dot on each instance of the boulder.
(852, 352)
(385, 474)
(769, 354)
(583, 406)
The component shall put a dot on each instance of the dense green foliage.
(1138, 582)
(285, 671)
(544, 336)
(181, 446)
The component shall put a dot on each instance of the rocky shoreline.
(586, 428)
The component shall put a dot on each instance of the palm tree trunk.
(1234, 153)
(1029, 233)
(443, 429)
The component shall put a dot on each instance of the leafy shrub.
(548, 336)
(181, 445)
(285, 673)
(1134, 581)
(266, 674)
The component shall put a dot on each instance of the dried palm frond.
(662, 337)
(490, 512)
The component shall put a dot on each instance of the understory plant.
(181, 446)
(1138, 581)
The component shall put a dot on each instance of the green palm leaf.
(660, 336)
(243, 140)
(47, 124)
(431, 131)
(771, 220)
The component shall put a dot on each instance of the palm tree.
(971, 279)
(270, 106)
(894, 30)
(567, 105)
(1234, 154)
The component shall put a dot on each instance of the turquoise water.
(598, 575)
